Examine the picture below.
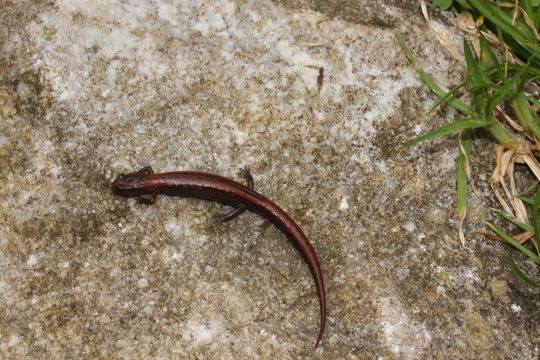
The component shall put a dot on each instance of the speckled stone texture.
(90, 89)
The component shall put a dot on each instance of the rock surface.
(91, 89)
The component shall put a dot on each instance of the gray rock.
(91, 89)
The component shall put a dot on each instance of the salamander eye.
(121, 176)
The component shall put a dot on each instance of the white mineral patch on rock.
(404, 337)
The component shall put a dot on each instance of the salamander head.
(130, 185)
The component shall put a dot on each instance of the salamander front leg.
(229, 215)
(147, 200)
(145, 170)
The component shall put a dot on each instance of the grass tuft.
(502, 57)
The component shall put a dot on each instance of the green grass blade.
(525, 199)
(523, 35)
(526, 117)
(464, 4)
(455, 103)
(536, 216)
(498, 132)
(479, 82)
(462, 171)
(476, 74)
(515, 244)
(519, 272)
(533, 14)
(447, 96)
(489, 54)
(506, 90)
(483, 86)
(519, 224)
(443, 4)
(535, 103)
(468, 123)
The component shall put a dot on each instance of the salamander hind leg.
(229, 215)
(246, 174)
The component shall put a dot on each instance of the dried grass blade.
(517, 204)
(499, 153)
(517, 245)
(489, 236)
(505, 162)
(442, 37)
(503, 202)
(521, 238)
(508, 119)
(529, 22)
(533, 164)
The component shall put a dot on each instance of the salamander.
(146, 185)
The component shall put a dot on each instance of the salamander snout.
(118, 181)
(121, 185)
(129, 185)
